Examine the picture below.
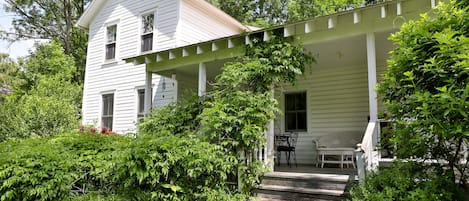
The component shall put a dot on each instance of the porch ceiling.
(350, 51)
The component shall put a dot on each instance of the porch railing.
(367, 153)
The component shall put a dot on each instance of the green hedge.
(407, 181)
(112, 167)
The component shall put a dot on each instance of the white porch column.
(270, 137)
(147, 101)
(371, 58)
(175, 86)
(202, 79)
(270, 145)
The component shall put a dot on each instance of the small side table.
(346, 156)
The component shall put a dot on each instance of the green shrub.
(48, 168)
(177, 118)
(426, 88)
(407, 182)
(172, 168)
(112, 167)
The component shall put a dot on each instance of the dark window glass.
(147, 32)
(147, 42)
(141, 103)
(111, 51)
(295, 112)
(111, 37)
(108, 111)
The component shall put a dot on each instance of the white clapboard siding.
(120, 78)
(337, 104)
(124, 79)
(197, 25)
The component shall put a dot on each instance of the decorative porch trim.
(343, 24)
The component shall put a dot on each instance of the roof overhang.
(85, 20)
(386, 16)
(95, 6)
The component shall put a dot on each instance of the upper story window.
(111, 38)
(148, 25)
(295, 112)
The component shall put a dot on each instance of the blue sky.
(16, 49)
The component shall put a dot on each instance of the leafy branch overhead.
(53, 20)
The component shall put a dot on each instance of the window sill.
(109, 63)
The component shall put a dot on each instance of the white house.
(170, 47)
(118, 29)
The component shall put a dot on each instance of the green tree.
(9, 75)
(426, 89)
(54, 20)
(47, 102)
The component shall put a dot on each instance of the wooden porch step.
(289, 186)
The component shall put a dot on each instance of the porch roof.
(384, 16)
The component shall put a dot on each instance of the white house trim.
(371, 59)
(202, 79)
(148, 98)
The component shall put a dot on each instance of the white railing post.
(360, 163)
(147, 97)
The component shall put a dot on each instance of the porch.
(332, 103)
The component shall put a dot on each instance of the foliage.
(180, 118)
(426, 88)
(9, 75)
(242, 103)
(48, 60)
(407, 181)
(274, 12)
(172, 168)
(113, 167)
(48, 168)
(50, 20)
(46, 102)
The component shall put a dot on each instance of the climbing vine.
(235, 113)
(242, 103)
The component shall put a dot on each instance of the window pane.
(300, 102)
(147, 23)
(108, 107)
(141, 101)
(108, 104)
(295, 112)
(111, 33)
(290, 120)
(289, 102)
(301, 121)
(111, 51)
(107, 122)
(147, 42)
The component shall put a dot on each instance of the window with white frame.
(141, 103)
(111, 38)
(295, 112)
(148, 26)
(108, 111)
